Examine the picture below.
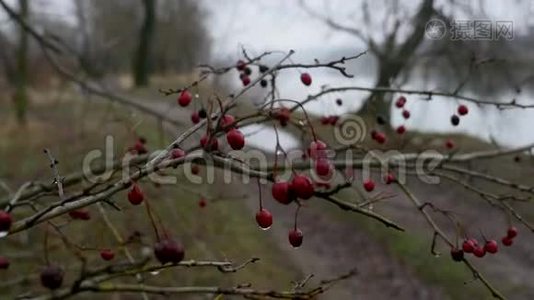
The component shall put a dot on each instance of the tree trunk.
(141, 65)
(20, 97)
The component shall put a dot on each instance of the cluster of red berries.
(330, 120)
(462, 111)
(471, 245)
(244, 72)
(234, 137)
(400, 104)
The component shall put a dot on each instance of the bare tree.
(141, 65)
(20, 97)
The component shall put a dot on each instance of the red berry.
(317, 149)
(323, 167)
(264, 218)
(283, 115)
(5, 221)
(281, 192)
(177, 153)
(389, 178)
(195, 117)
(169, 251)
(245, 80)
(135, 195)
(302, 186)
(507, 241)
(227, 122)
(4, 263)
(241, 65)
(512, 232)
(463, 110)
(140, 147)
(52, 277)
(406, 114)
(202, 203)
(80, 214)
(333, 120)
(369, 185)
(325, 120)
(306, 78)
(373, 134)
(213, 144)
(468, 246)
(380, 137)
(235, 139)
(295, 237)
(449, 144)
(457, 254)
(107, 254)
(185, 98)
(400, 102)
(479, 251)
(401, 129)
(491, 246)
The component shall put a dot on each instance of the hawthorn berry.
(468, 246)
(263, 83)
(283, 115)
(463, 110)
(389, 178)
(263, 68)
(511, 232)
(333, 120)
(247, 71)
(107, 254)
(306, 78)
(317, 149)
(295, 237)
(185, 98)
(235, 139)
(227, 122)
(400, 102)
(281, 191)
(241, 65)
(507, 241)
(135, 195)
(325, 120)
(245, 80)
(302, 186)
(80, 214)
(339, 102)
(380, 137)
(4, 263)
(449, 144)
(380, 120)
(5, 220)
(52, 277)
(406, 114)
(457, 254)
(140, 147)
(479, 251)
(169, 251)
(195, 118)
(455, 120)
(491, 246)
(212, 145)
(369, 185)
(401, 129)
(323, 167)
(202, 203)
(264, 218)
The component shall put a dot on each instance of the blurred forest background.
(127, 50)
